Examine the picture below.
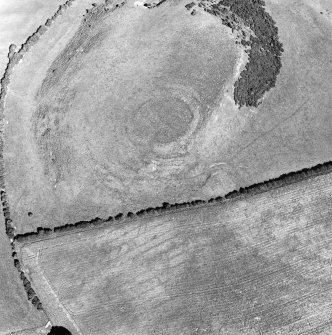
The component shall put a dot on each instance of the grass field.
(16, 313)
(90, 131)
(259, 265)
(109, 149)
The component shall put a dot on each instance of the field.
(17, 313)
(256, 265)
(90, 131)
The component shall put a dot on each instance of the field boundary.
(166, 208)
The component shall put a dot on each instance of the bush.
(118, 216)
(17, 264)
(130, 214)
(31, 293)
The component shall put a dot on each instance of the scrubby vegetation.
(29, 236)
(31, 294)
(10, 230)
(154, 4)
(190, 5)
(264, 49)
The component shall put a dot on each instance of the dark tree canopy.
(264, 64)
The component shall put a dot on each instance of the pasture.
(256, 265)
(103, 117)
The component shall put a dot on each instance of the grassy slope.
(256, 265)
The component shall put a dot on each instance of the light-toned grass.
(92, 148)
(19, 19)
(75, 138)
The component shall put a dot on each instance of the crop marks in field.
(259, 264)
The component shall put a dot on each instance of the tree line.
(283, 180)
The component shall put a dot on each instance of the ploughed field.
(256, 265)
(124, 105)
